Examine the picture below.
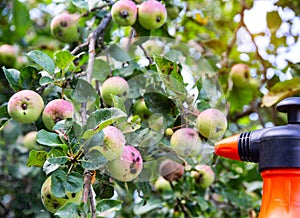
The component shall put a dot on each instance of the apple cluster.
(26, 106)
(210, 123)
(150, 14)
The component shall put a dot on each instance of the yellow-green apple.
(64, 27)
(8, 55)
(29, 141)
(114, 86)
(204, 175)
(240, 75)
(25, 106)
(211, 123)
(53, 203)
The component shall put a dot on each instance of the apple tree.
(112, 108)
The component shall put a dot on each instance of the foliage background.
(217, 30)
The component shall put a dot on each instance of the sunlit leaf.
(42, 60)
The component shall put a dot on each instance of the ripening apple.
(152, 14)
(53, 203)
(124, 12)
(171, 170)
(211, 123)
(128, 166)
(57, 110)
(8, 55)
(240, 75)
(140, 108)
(114, 86)
(204, 175)
(113, 144)
(64, 27)
(25, 106)
(29, 141)
(162, 185)
(186, 142)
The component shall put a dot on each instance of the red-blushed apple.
(128, 166)
(124, 12)
(8, 55)
(139, 108)
(211, 123)
(29, 141)
(25, 106)
(152, 14)
(113, 144)
(64, 27)
(186, 142)
(171, 170)
(240, 75)
(53, 203)
(204, 175)
(57, 110)
(114, 86)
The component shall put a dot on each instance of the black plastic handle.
(291, 106)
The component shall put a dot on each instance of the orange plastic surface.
(228, 147)
(281, 194)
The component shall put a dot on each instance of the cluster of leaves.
(205, 48)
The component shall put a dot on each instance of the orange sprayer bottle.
(277, 152)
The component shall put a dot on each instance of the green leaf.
(68, 210)
(81, 4)
(13, 77)
(36, 158)
(45, 80)
(44, 137)
(63, 59)
(74, 182)
(107, 206)
(29, 77)
(84, 91)
(118, 103)
(93, 160)
(58, 179)
(21, 18)
(58, 160)
(238, 97)
(160, 103)
(117, 53)
(4, 116)
(273, 21)
(42, 60)
(101, 70)
(281, 90)
(96, 140)
(100, 119)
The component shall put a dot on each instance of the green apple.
(240, 75)
(8, 55)
(64, 27)
(124, 12)
(157, 122)
(114, 86)
(169, 132)
(53, 203)
(113, 144)
(29, 141)
(186, 142)
(25, 106)
(128, 166)
(152, 14)
(211, 123)
(171, 170)
(139, 108)
(162, 185)
(57, 110)
(204, 175)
